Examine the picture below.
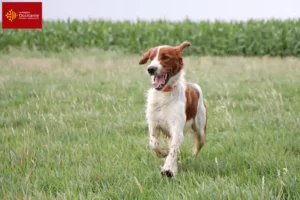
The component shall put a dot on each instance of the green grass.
(72, 126)
(249, 38)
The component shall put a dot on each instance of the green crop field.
(250, 38)
(72, 126)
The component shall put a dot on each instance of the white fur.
(155, 62)
(165, 112)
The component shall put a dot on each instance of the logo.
(22, 15)
(11, 15)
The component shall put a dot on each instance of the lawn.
(72, 126)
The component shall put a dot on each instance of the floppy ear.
(183, 45)
(145, 57)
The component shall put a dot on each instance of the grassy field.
(72, 126)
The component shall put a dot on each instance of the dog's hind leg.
(200, 121)
(199, 128)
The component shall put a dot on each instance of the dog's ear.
(183, 45)
(146, 56)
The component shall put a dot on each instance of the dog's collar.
(168, 88)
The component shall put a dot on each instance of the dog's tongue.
(158, 81)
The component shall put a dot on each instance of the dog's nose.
(152, 69)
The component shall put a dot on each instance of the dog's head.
(166, 63)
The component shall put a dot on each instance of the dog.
(173, 105)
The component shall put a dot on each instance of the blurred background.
(215, 27)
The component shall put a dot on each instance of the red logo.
(22, 15)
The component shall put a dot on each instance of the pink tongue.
(158, 81)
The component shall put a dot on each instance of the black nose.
(152, 69)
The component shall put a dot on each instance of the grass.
(72, 126)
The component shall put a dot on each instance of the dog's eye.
(164, 57)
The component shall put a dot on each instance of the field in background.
(251, 38)
(72, 126)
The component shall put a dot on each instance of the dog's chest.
(164, 110)
(161, 110)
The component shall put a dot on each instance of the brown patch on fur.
(184, 45)
(192, 96)
(205, 118)
(171, 60)
(150, 54)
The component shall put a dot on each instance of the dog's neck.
(175, 81)
(168, 88)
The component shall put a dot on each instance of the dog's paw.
(195, 153)
(169, 172)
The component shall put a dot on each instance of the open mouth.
(160, 81)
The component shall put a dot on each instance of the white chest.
(165, 110)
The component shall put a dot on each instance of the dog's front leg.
(170, 167)
(155, 144)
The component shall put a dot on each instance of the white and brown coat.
(174, 106)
